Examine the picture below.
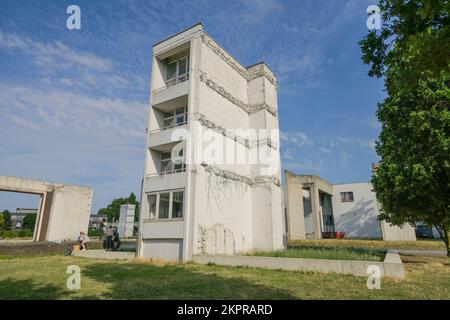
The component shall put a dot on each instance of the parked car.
(424, 232)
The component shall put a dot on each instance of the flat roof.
(174, 35)
(218, 43)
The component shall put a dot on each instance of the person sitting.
(83, 239)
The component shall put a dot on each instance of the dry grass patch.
(377, 244)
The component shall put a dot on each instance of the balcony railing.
(171, 82)
(168, 127)
(163, 173)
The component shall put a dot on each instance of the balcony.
(174, 81)
(176, 125)
(167, 93)
(173, 78)
(168, 120)
(165, 180)
(174, 179)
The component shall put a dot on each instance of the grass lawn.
(328, 252)
(378, 244)
(44, 277)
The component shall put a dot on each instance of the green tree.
(412, 54)
(7, 220)
(2, 222)
(29, 221)
(112, 211)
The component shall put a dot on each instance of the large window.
(175, 118)
(177, 71)
(168, 166)
(347, 196)
(165, 205)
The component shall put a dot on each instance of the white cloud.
(56, 62)
(108, 118)
(303, 153)
(300, 139)
(21, 121)
(54, 54)
(287, 155)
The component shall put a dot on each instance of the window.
(306, 195)
(181, 116)
(177, 204)
(175, 118)
(347, 196)
(171, 71)
(166, 162)
(177, 71)
(151, 198)
(164, 201)
(168, 166)
(165, 205)
(169, 120)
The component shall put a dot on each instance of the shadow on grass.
(147, 281)
(28, 289)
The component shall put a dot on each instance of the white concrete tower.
(221, 118)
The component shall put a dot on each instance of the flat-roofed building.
(203, 191)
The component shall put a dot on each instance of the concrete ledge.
(105, 255)
(393, 268)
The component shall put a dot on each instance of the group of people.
(110, 237)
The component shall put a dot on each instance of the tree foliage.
(112, 211)
(29, 221)
(2, 222)
(412, 54)
(7, 223)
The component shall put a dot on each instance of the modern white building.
(212, 168)
(316, 207)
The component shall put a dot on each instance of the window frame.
(174, 168)
(178, 77)
(173, 117)
(347, 196)
(157, 204)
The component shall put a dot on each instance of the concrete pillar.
(315, 204)
(296, 218)
(38, 218)
(44, 217)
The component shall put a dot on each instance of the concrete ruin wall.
(395, 233)
(64, 209)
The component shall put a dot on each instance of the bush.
(29, 221)
(95, 233)
(25, 233)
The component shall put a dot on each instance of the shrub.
(25, 233)
(95, 233)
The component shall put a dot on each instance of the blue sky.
(73, 103)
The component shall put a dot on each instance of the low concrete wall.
(391, 267)
(104, 255)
